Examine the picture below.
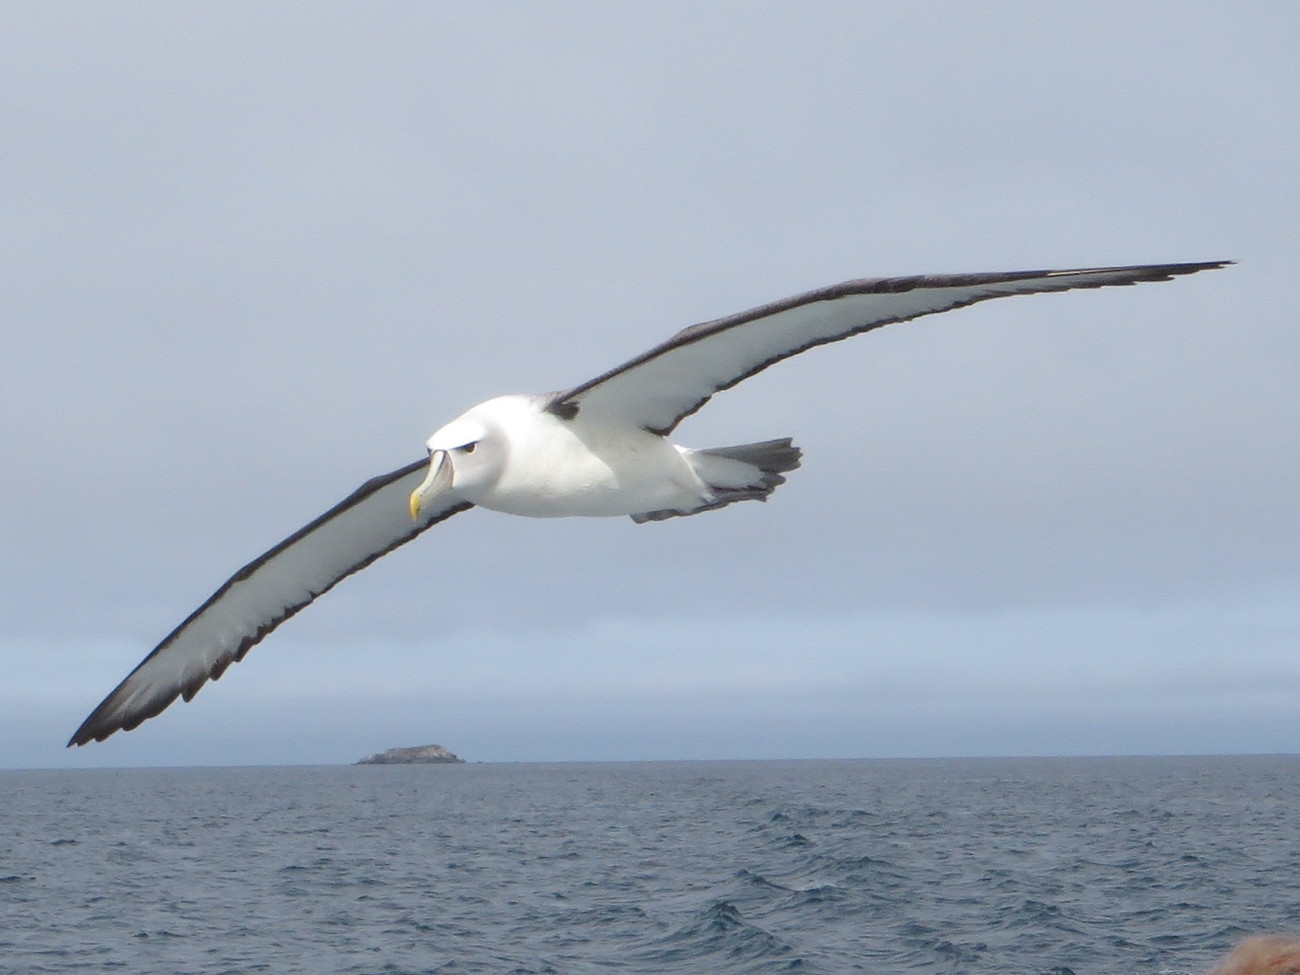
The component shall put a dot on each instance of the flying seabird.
(598, 449)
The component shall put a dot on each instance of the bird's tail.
(748, 472)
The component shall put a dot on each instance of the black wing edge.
(97, 728)
(564, 406)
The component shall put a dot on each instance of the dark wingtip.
(1192, 268)
(90, 730)
(108, 718)
(83, 736)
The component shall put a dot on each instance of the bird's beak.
(437, 482)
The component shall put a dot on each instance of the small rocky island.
(419, 755)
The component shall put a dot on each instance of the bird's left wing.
(369, 523)
(657, 389)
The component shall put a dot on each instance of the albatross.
(599, 449)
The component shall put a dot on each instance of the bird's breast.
(563, 468)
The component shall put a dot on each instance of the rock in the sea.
(419, 755)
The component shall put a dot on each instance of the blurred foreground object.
(1263, 954)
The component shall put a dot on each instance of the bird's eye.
(469, 447)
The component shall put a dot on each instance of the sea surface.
(1114, 865)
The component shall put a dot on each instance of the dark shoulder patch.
(564, 409)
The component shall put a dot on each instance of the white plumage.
(598, 449)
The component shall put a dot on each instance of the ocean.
(1103, 865)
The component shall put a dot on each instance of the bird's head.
(466, 456)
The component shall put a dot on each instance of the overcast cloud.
(253, 254)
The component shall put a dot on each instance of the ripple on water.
(1091, 866)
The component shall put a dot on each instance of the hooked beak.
(437, 482)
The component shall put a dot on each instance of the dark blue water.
(1069, 865)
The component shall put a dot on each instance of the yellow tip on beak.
(438, 481)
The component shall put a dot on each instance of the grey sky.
(254, 254)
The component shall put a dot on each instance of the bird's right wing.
(369, 523)
(658, 388)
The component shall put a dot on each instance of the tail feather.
(770, 456)
(747, 472)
